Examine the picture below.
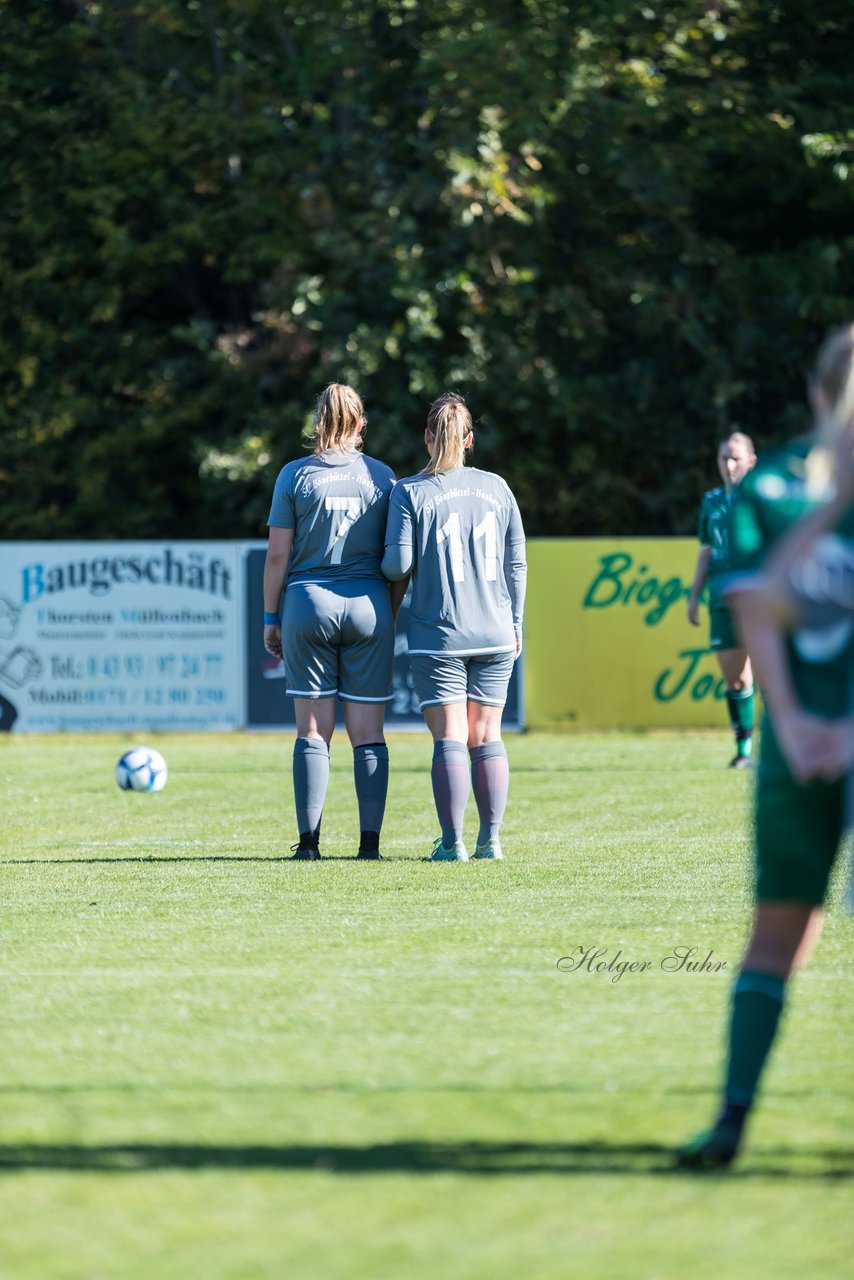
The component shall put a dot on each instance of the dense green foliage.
(223, 1066)
(618, 227)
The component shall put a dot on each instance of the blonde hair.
(742, 437)
(337, 418)
(449, 423)
(833, 383)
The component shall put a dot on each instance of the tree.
(619, 230)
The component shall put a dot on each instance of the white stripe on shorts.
(447, 702)
(351, 697)
(311, 693)
(464, 653)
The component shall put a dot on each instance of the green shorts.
(722, 628)
(798, 830)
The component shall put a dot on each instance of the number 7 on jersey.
(349, 509)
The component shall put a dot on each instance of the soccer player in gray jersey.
(457, 531)
(328, 612)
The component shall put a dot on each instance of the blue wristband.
(271, 619)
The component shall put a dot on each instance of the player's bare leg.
(447, 721)
(783, 938)
(483, 724)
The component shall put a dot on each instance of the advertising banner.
(168, 636)
(120, 635)
(608, 641)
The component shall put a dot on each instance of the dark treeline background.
(618, 228)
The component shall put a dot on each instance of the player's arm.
(399, 556)
(516, 570)
(275, 571)
(765, 643)
(813, 747)
(392, 565)
(701, 573)
(798, 733)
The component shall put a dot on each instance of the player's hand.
(694, 613)
(815, 749)
(518, 648)
(841, 750)
(273, 640)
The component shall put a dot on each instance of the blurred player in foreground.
(736, 456)
(328, 612)
(801, 788)
(457, 531)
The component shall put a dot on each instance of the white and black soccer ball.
(141, 769)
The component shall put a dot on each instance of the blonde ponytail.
(833, 388)
(449, 423)
(337, 419)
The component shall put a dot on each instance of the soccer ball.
(141, 769)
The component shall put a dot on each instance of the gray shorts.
(444, 677)
(338, 642)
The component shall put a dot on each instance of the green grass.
(219, 1064)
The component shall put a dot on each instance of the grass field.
(219, 1064)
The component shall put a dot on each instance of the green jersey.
(769, 499)
(713, 532)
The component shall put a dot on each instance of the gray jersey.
(461, 535)
(336, 502)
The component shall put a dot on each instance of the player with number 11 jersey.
(457, 531)
(463, 530)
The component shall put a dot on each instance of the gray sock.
(311, 778)
(490, 777)
(451, 786)
(370, 773)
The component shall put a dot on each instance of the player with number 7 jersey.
(458, 532)
(329, 613)
(336, 503)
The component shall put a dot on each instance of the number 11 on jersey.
(487, 530)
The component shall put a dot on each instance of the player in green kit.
(800, 803)
(736, 456)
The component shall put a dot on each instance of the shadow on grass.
(357, 1088)
(143, 857)
(481, 1158)
(203, 857)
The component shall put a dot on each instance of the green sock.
(740, 707)
(757, 1003)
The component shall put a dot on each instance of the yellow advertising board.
(608, 643)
